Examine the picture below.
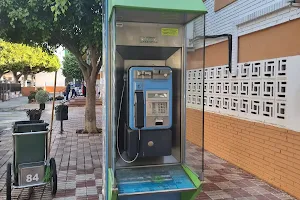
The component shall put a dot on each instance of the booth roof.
(186, 6)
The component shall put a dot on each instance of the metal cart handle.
(31, 133)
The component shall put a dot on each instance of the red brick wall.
(50, 89)
(26, 91)
(270, 153)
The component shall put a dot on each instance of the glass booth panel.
(196, 88)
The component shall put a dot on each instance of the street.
(7, 118)
(11, 111)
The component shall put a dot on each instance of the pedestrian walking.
(68, 88)
(74, 93)
(84, 89)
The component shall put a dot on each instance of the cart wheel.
(8, 182)
(53, 176)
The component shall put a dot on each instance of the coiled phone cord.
(137, 154)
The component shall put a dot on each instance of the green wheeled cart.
(31, 166)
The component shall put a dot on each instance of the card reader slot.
(159, 122)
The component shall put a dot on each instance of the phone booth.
(144, 99)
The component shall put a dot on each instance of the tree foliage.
(74, 24)
(22, 59)
(42, 96)
(71, 69)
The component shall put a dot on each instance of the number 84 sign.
(29, 178)
(32, 175)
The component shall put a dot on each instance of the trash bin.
(30, 144)
(29, 126)
(61, 112)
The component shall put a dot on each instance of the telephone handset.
(139, 109)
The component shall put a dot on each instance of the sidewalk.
(78, 158)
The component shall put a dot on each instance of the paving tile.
(91, 190)
(217, 178)
(70, 192)
(216, 166)
(261, 197)
(93, 197)
(233, 177)
(283, 196)
(210, 187)
(90, 183)
(211, 161)
(243, 183)
(70, 198)
(219, 194)
(259, 183)
(81, 192)
(246, 198)
(226, 185)
(81, 198)
(237, 193)
(256, 190)
(269, 188)
(210, 172)
(206, 180)
(60, 198)
(226, 171)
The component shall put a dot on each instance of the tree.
(76, 25)
(71, 69)
(22, 59)
(3, 70)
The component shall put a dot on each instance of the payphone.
(149, 111)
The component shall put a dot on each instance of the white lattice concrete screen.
(267, 91)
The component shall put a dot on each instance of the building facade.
(252, 115)
(44, 79)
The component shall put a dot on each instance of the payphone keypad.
(157, 108)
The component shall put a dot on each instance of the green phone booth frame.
(157, 28)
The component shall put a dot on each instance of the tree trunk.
(25, 80)
(90, 106)
(90, 71)
(16, 77)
